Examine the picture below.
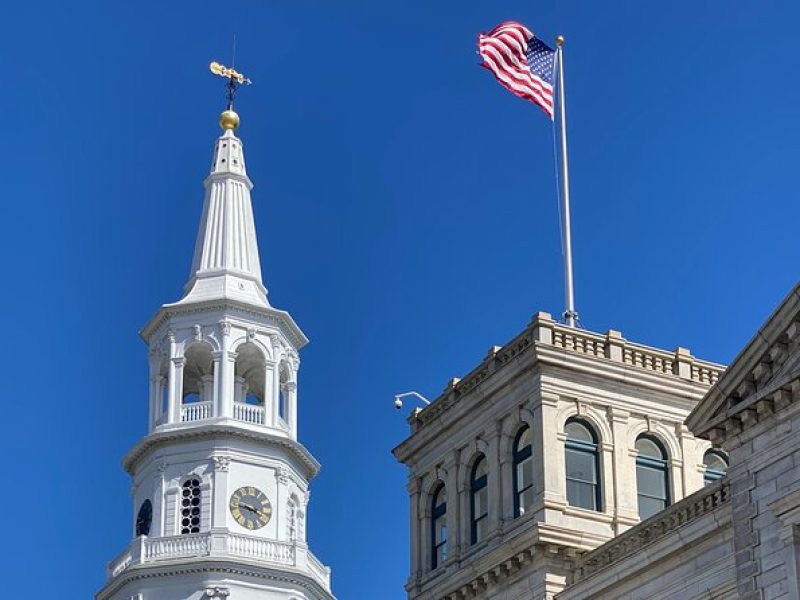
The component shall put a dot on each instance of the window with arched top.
(479, 505)
(190, 506)
(582, 461)
(652, 476)
(438, 527)
(522, 459)
(716, 462)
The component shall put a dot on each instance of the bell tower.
(220, 482)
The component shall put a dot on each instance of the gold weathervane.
(229, 119)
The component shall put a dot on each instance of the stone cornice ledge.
(159, 438)
(211, 566)
(693, 507)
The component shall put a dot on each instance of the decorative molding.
(221, 463)
(632, 541)
(198, 333)
(568, 341)
(282, 475)
(224, 327)
(157, 439)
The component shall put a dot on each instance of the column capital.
(224, 327)
(178, 361)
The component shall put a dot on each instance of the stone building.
(562, 503)
(556, 443)
(220, 481)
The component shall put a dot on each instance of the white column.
(219, 508)
(171, 380)
(176, 389)
(291, 407)
(207, 393)
(269, 393)
(154, 400)
(225, 372)
(276, 394)
(217, 388)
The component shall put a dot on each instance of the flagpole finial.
(559, 40)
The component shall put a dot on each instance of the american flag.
(522, 63)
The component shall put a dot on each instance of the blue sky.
(406, 215)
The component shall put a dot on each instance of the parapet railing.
(145, 550)
(543, 331)
(691, 508)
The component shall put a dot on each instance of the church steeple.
(220, 482)
(226, 264)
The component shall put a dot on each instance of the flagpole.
(570, 315)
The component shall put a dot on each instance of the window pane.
(650, 506)
(582, 495)
(481, 528)
(524, 439)
(479, 503)
(440, 529)
(649, 448)
(578, 431)
(479, 468)
(651, 481)
(525, 474)
(715, 462)
(441, 553)
(525, 500)
(581, 465)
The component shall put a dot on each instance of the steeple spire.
(226, 264)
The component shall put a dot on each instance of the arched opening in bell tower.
(250, 384)
(198, 383)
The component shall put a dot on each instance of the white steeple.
(220, 484)
(226, 265)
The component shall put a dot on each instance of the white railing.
(322, 572)
(196, 411)
(260, 549)
(287, 554)
(249, 413)
(176, 546)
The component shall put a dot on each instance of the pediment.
(764, 377)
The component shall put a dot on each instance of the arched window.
(190, 506)
(583, 466)
(439, 527)
(652, 476)
(480, 500)
(523, 471)
(716, 463)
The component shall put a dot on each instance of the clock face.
(144, 518)
(250, 507)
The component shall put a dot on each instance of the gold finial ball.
(229, 120)
(559, 40)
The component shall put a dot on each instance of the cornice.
(759, 381)
(546, 343)
(161, 438)
(277, 317)
(225, 567)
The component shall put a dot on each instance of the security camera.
(398, 404)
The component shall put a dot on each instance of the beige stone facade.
(734, 538)
(545, 378)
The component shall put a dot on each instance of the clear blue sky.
(406, 213)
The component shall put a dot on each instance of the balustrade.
(196, 411)
(249, 413)
(205, 544)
